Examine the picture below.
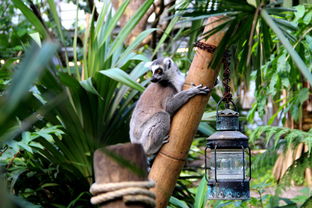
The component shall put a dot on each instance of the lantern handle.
(249, 152)
(243, 151)
(206, 165)
(226, 105)
(215, 163)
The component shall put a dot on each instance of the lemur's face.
(162, 69)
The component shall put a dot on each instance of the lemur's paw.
(202, 89)
(165, 139)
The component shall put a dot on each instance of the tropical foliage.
(89, 110)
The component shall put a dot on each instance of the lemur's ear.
(168, 62)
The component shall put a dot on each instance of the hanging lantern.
(227, 155)
(227, 159)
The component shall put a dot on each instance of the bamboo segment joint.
(130, 192)
(171, 157)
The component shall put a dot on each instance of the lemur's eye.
(158, 71)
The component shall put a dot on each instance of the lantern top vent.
(228, 112)
(227, 120)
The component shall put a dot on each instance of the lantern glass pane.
(229, 164)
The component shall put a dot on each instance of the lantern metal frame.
(229, 137)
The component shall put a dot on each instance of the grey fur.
(150, 120)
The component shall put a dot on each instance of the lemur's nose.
(155, 79)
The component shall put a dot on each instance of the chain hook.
(227, 96)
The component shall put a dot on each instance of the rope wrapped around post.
(129, 191)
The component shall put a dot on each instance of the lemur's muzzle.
(155, 79)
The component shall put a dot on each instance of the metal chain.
(227, 96)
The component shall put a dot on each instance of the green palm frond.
(284, 139)
(251, 30)
(290, 138)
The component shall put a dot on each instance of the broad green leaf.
(122, 77)
(303, 95)
(25, 147)
(177, 202)
(36, 59)
(273, 84)
(271, 120)
(26, 137)
(49, 185)
(78, 75)
(21, 202)
(86, 47)
(134, 45)
(56, 19)
(300, 12)
(286, 24)
(104, 12)
(205, 129)
(47, 136)
(36, 37)
(50, 152)
(252, 2)
(267, 39)
(31, 17)
(209, 116)
(282, 65)
(139, 70)
(104, 34)
(200, 198)
(88, 85)
(131, 56)
(296, 58)
(285, 83)
(308, 18)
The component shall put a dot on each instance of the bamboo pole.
(171, 158)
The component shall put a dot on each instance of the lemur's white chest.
(177, 81)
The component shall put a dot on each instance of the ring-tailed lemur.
(150, 121)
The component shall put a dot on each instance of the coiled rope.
(130, 191)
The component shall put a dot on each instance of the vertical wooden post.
(170, 160)
(107, 170)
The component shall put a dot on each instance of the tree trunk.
(171, 158)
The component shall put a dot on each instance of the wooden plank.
(107, 170)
